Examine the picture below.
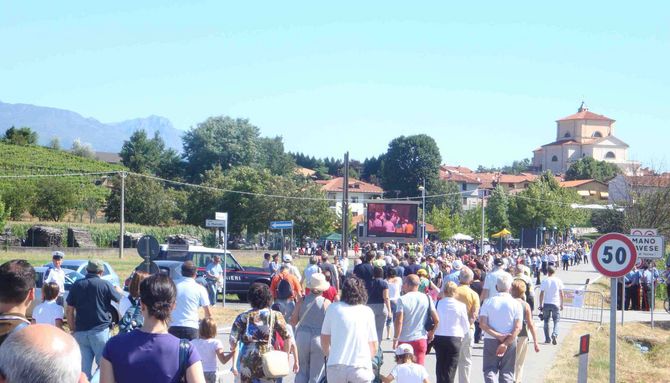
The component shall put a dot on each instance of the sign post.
(281, 225)
(221, 221)
(613, 255)
(649, 245)
(583, 371)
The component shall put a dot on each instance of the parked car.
(71, 277)
(169, 268)
(79, 265)
(238, 277)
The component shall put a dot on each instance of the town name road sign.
(645, 232)
(215, 223)
(613, 255)
(648, 246)
(276, 225)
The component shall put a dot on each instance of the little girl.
(406, 371)
(210, 349)
(49, 312)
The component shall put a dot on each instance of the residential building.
(467, 182)
(588, 189)
(359, 191)
(623, 188)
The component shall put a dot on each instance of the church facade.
(583, 134)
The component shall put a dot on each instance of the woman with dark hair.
(133, 297)
(348, 335)
(151, 354)
(378, 300)
(395, 287)
(255, 331)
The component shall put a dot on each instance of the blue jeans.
(211, 292)
(548, 311)
(91, 343)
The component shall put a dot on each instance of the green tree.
(608, 221)
(497, 210)
(447, 195)
(22, 136)
(54, 197)
(4, 214)
(271, 156)
(82, 149)
(17, 196)
(409, 161)
(371, 171)
(220, 141)
(446, 223)
(147, 202)
(142, 154)
(54, 143)
(590, 168)
(472, 222)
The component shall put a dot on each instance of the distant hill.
(68, 126)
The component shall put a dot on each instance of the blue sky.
(487, 81)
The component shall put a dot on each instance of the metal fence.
(580, 304)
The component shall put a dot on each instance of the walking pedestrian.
(470, 298)
(519, 293)
(413, 310)
(286, 291)
(500, 318)
(190, 297)
(348, 335)
(151, 354)
(449, 334)
(406, 370)
(395, 287)
(214, 278)
(378, 301)
(307, 322)
(551, 303)
(89, 314)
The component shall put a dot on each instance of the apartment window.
(597, 134)
(610, 155)
(554, 159)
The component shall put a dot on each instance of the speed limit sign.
(613, 255)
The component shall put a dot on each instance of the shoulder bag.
(429, 324)
(275, 362)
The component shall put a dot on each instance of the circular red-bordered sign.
(614, 255)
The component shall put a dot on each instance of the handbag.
(275, 362)
(429, 324)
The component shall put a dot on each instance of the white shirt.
(58, 276)
(453, 316)
(501, 312)
(491, 281)
(394, 289)
(47, 312)
(190, 297)
(207, 348)
(409, 373)
(294, 270)
(552, 287)
(351, 329)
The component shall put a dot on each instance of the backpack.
(132, 319)
(284, 289)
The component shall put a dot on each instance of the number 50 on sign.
(614, 255)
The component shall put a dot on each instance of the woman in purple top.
(150, 354)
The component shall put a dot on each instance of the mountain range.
(68, 126)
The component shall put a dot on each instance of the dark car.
(238, 277)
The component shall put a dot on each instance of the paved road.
(537, 364)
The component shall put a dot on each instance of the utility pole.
(345, 207)
(123, 216)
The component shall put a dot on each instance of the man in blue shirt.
(632, 282)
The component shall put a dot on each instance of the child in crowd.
(406, 371)
(210, 349)
(49, 312)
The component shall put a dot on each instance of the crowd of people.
(326, 322)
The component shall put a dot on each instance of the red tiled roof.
(355, 186)
(575, 183)
(562, 142)
(649, 181)
(586, 115)
(457, 169)
(515, 179)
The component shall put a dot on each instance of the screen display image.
(392, 220)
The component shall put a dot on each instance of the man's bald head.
(412, 282)
(40, 353)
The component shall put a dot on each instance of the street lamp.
(423, 212)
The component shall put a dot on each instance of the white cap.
(287, 258)
(404, 349)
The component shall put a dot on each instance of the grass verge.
(632, 365)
